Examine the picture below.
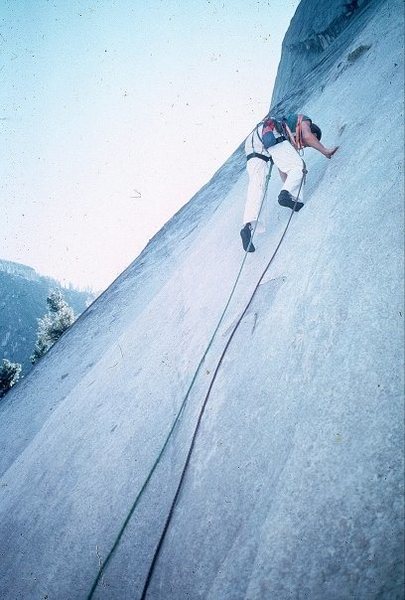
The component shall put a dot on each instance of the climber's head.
(316, 131)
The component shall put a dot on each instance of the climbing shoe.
(246, 235)
(285, 199)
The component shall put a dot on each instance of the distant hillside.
(23, 296)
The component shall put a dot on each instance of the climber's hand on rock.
(329, 152)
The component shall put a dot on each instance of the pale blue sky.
(115, 112)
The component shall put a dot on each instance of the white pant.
(257, 170)
(285, 158)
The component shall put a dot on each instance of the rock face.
(294, 488)
(318, 31)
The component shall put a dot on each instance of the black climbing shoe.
(246, 235)
(285, 199)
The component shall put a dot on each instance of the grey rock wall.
(316, 34)
(295, 486)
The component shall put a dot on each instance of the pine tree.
(59, 317)
(9, 375)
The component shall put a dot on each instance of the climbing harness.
(204, 404)
(258, 155)
(272, 133)
(296, 141)
(105, 563)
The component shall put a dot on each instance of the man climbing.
(279, 141)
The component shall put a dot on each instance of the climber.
(279, 141)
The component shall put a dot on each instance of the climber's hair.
(316, 131)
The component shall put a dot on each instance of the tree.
(59, 317)
(9, 375)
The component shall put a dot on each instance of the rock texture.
(318, 31)
(295, 485)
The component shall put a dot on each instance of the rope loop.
(204, 404)
(104, 564)
(178, 416)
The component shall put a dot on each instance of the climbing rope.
(204, 404)
(296, 140)
(104, 564)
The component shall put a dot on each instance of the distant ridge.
(13, 268)
(23, 294)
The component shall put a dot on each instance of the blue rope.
(180, 412)
(202, 410)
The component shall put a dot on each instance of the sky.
(114, 113)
